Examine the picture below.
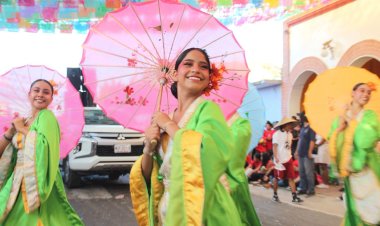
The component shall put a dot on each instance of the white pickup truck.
(105, 148)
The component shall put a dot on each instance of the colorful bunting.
(67, 16)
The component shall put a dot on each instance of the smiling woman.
(40, 95)
(354, 152)
(31, 188)
(192, 157)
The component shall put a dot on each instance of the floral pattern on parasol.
(131, 53)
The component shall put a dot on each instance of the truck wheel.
(114, 176)
(70, 178)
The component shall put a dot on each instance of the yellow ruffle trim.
(345, 159)
(333, 147)
(140, 196)
(344, 167)
(31, 196)
(39, 223)
(194, 192)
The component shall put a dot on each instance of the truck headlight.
(77, 148)
(94, 146)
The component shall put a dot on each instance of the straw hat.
(284, 121)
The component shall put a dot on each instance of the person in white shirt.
(322, 160)
(282, 156)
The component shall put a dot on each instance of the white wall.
(263, 45)
(347, 25)
(56, 51)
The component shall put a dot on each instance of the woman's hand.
(19, 124)
(10, 132)
(342, 124)
(160, 119)
(151, 133)
(165, 123)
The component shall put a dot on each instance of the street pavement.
(103, 202)
(324, 201)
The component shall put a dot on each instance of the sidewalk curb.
(326, 204)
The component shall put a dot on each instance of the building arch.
(303, 73)
(359, 53)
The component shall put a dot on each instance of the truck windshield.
(97, 117)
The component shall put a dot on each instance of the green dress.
(31, 188)
(199, 192)
(241, 134)
(354, 156)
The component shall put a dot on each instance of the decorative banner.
(67, 16)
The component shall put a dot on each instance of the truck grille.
(108, 150)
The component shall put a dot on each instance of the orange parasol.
(329, 94)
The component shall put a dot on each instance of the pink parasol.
(66, 105)
(133, 49)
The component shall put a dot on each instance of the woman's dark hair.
(42, 80)
(270, 124)
(173, 87)
(357, 86)
(184, 54)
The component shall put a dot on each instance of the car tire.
(70, 177)
(114, 176)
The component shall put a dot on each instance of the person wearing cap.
(282, 155)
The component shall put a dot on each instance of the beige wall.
(355, 35)
(346, 26)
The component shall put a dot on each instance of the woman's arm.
(201, 153)
(6, 139)
(159, 120)
(152, 133)
(46, 151)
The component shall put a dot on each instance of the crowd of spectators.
(309, 160)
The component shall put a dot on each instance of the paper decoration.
(68, 16)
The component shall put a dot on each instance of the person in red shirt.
(267, 169)
(261, 146)
(267, 136)
(252, 171)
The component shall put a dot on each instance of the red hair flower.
(55, 85)
(372, 86)
(215, 77)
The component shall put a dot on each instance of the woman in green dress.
(238, 182)
(31, 188)
(355, 153)
(186, 183)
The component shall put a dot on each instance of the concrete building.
(342, 33)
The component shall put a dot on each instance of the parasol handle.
(163, 81)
